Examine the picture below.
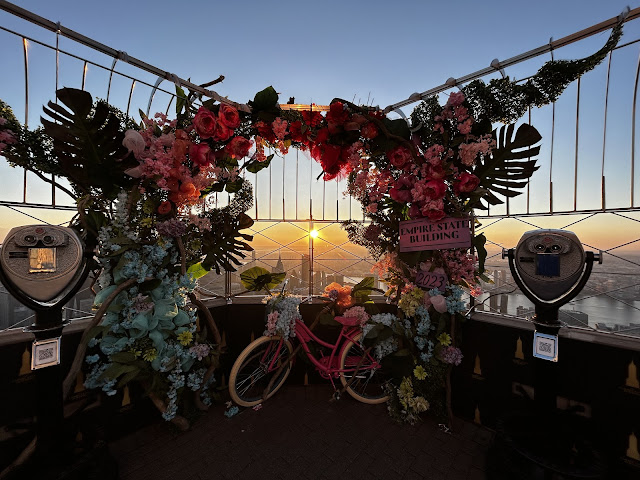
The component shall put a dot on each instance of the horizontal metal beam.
(122, 56)
(552, 45)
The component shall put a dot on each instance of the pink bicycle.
(264, 365)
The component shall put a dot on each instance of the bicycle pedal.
(336, 396)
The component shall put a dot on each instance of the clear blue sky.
(319, 50)
(375, 51)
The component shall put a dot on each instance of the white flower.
(134, 142)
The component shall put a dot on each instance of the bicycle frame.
(327, 366)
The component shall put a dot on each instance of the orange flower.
(341, 294)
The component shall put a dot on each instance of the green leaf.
(254, 166)
(181, 99)
(362, 290)
(479, 242)
(150, 285)
(266, 99)
(233, 187)
(197, 270)
(122, 357)
(510, 165)
(398, 127)
(258, 278)
(127, 377)
(87, 141)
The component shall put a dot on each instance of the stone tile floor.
(299, 434)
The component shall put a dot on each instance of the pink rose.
(399, 156)
(439, 303)
(455, 99)
(200, 154)
(205, 123)
(467, 182)
(229, 116)
(435, 189)
(238, 147)
(134, 142)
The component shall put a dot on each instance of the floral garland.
(142, 193)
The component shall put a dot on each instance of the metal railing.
(587, 161)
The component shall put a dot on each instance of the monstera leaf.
(87, 140)
(224, 244)
(511, 164)
(258, 278)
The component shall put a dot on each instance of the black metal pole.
(50, 441)
(545, 372)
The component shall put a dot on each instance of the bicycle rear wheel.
(254, 368)
(369, 382)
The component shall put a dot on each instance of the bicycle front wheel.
(369, 382)
(255, 367)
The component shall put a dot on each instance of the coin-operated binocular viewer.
(550, 267)
(43, 266)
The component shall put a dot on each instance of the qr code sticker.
(45, 354)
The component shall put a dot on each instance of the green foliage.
(258, 278)
(87, 141)
(254, 166)
(502, 100)
(509, 167)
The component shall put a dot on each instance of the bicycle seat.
(348, 321)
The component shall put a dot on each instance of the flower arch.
(142, 189)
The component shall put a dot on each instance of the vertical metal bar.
(297, 180)
(133, 85)
(553, 130)
(324, 198)
(284, 165)
(633, 131)
(270, 186)
(153, 93)
(84, 74)
(337, 201)
(113, 65)
(575, 168)
(310, 256)
(53, 177)
(169, 105)
(529, 181)
(604, 135)
(25, 45)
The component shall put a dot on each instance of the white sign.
(545, 346)
(45, 353)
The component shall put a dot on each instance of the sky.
(375, 52)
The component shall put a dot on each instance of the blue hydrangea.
(91, 359)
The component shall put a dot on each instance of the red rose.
(400, 196)
(399, 156)
(414, 211)
(435, 172)
(265, 131)
(229, 116)
(434, 214)
(238, 147)
(222, 132)
(369, 131)
(313, 119)
(435, 189)
(322, 136)
(200, 154)
(467, 182)
(337, 113)
(330, 161)
(295, 130)
(205, 123)
(164, 207)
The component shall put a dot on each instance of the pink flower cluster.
(200, 350)
(451, 355)
(171, 228)
(272, 320)
(7, 137)
(357, 312)
(461, 265)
